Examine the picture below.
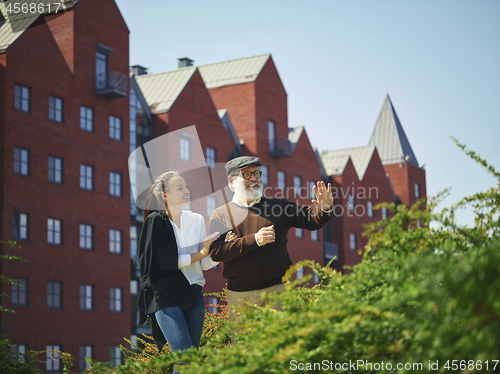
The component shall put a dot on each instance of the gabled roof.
(294, 134)
(162, 89)
(225, 73)
(16, 24)
(389, 137)
(336, 161)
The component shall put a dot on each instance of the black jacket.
(162, 283)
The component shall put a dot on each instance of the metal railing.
(111, 83)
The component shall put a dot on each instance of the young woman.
(173, 252)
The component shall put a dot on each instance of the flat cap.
(242, 162)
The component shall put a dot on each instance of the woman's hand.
(230, 236)
(206, 243)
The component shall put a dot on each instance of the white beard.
(243, 193)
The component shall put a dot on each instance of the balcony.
(111, 85)
(280, 148)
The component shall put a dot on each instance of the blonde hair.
(155, 201)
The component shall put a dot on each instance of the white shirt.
(189, 240)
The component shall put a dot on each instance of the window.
(86, 351)
(20, 226)
(297, 184)
(384, 213)
(86, 234)
(19, 292)
(115, 356)
(53, 361)
(369, 205)
(300, 273)
(315, 277)
(133, 241)
(54, 231)
(212, 304)
(56, 109)
(211, 205)
(185, 147)
(352, 241)
(21, 161)
(281, 179)
(54, 295)
(115, 184)
(86, 177)
(298, 232)
(115, 128)
(86, 297)
(86, 119)
(265, 175)
(115, 241)
(271, 135)
(312, 195)
(211, 157)
(351, 203)
(101, 67)
(417, 190)
(314, 235)
(18, 352)
(55, 169)
(187, 207)
(115, 300)
(22, 98)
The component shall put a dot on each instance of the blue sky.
(439, 62)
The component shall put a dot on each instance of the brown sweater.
(246, 265)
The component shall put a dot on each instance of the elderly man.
(258, 259)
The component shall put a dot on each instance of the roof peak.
(389, 137)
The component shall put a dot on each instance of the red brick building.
(64, 112)
(384, 171)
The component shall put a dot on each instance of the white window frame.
(54, 295)
(115, 300)
(300, 272)
(86, 119)
(85, 351)
(56, 109)
(350, 199)
(211, 157)
(265, 175)
(281, 180)
(384, 213)
(86, 236)
(86, 297)
(115, 241)
(54, 231)
(314, 235)
(212, 308)
(53, 360)
(297, 184)
(115, 128)
(55, 169)
(299, 233)
(22, 98)
(20, 226)
(185, 148)
(369, 207)
(21, 161)
(86, 177)
(115, 184)
(271, 135)
(352, 241)
(417, 190)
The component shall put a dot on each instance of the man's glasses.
(248, 174)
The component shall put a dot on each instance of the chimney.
(138, 70)
(184, 62)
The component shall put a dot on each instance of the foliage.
(13, 362)
(422, 294)
(426, 292)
